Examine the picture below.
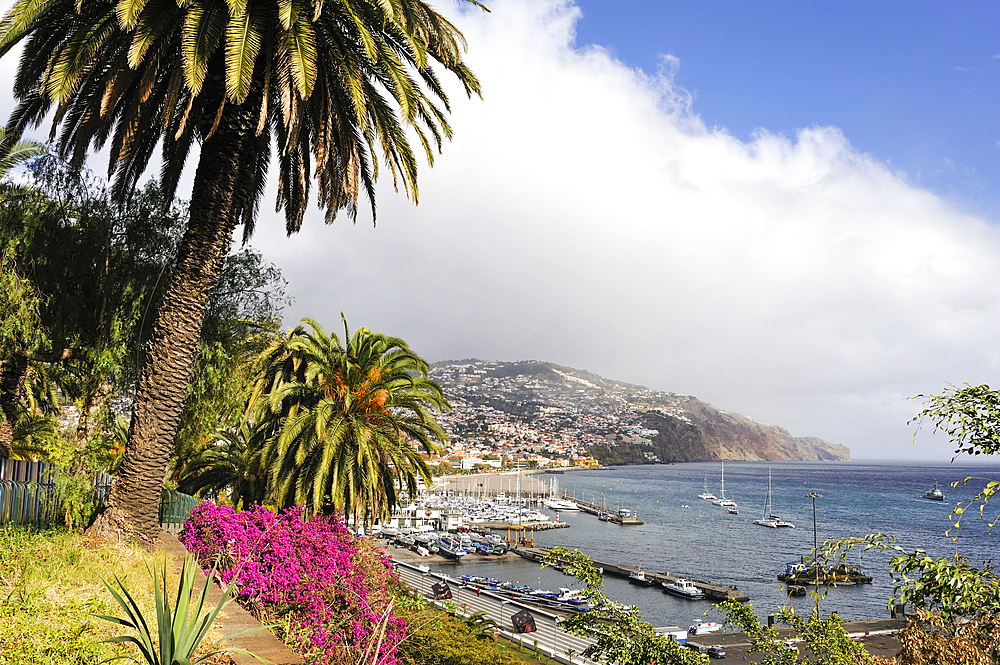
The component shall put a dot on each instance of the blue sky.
(915, 84)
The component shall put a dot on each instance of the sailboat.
(708, 496)
(769, 519)
(722, 500)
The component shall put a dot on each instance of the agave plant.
(180, 630)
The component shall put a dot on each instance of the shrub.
(328, 591)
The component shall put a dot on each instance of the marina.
(683, 537)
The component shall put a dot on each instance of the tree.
(95, 266)
(19, 304)
(230, 463)
(620, 635)
(330, 82)
(348, 416)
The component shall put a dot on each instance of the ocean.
(705, 542)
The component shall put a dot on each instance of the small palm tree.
(349, 416)
(230, 463)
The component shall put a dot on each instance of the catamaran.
(770, 519)
(708, 496)
(722, 500)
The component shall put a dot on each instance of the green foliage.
(229, 463)
(74, 497)
(825, 639)
(20, 303)
(950, 587)
(969, 415)
(438, 638)
(622, 637)
(179, 630)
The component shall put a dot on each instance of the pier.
(712, 591)
(614, 517)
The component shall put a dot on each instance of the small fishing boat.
(639, 577)
(934, 494)
(450, 548)
(684, 589)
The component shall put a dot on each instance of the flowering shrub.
(330, 591)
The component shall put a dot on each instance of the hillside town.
(538, 415)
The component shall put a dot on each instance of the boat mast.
(723, 497)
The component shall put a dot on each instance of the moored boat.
(639, 577)
(450, 548)
(722, 500)
(769, 519)
(684, 589)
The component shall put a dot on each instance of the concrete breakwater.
(716, 592)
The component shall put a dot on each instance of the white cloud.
(585, 215)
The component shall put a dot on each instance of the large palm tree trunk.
(132, 507)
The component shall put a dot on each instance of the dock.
(594, 509)
(712, 591)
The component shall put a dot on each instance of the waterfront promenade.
(878, 636)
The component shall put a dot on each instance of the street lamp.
(814, 496)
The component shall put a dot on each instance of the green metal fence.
(25, 503)
(174, 509)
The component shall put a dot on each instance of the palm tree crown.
(330, 80)
(350, 416)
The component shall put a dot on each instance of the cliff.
(538, 406)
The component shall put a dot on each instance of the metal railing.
(26, 503)
(175, 509)
(31, 503)
(548, 637)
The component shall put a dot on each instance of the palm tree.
(348, 419)
(331, 84)
(231, 463)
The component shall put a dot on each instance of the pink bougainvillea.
(330, 590)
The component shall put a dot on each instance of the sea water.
(687, 536)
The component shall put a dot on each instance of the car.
(790, 645)
(716, 652)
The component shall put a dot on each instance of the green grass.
(50, 589)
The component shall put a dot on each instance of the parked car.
(696, 646)
(790, 645)
(716, 652)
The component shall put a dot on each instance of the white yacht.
(708, 496)
(561, 504)
(684, 589)
(639, 577)
(722, 500)
(769, 519)
(701, 627)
